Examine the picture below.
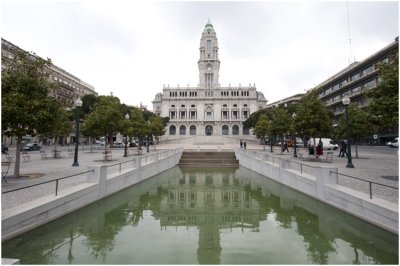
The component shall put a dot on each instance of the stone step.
(208, 158)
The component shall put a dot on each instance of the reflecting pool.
(206, 216)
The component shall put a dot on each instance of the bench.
(26, 156)
(5, 166)
(57, 154)
(9, 157)
(44, 155)
(107, 155)
(70, 153)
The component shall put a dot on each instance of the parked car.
(118, 145)
(394, 143)
(31, 147)
(327, 144)
(4, 148)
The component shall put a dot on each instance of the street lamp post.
(295, 136)
(126, 138)
(270, 138)
(346, 102)
(78, 104)
(147, 142)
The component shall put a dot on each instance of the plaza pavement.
(369, 166)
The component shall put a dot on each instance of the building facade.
(69, 87)
(208, 109)
(353, 81)
(294, 99)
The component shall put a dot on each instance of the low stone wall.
(321, 184)
(102, 182)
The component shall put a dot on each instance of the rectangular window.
(208, 45)
(355, 77)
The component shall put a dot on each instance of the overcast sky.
(133, 48)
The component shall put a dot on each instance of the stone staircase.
(208, 158)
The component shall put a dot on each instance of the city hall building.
(208, 109)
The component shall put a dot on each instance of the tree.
(280, 123)
(139, 125)
(253, 118)
(360, 125)
(313, 117)
(383, 101)
(24, 85)
(262, 127)
(157, 127)
(88, 101)
(105, 118)
(57, 122)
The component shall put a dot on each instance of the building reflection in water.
(212, 201)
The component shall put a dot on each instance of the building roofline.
(360, 63)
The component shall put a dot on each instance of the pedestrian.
(309, 143)
(341, 148)
(285, 147)
(344, 148)
(320, 148)
(241, 144)
(244, 144)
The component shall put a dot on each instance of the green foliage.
(383, 105)
(105, 119)
(262, 127)
(88, 101)
(313, 118)
(358, 121)
(24, 87)
(281, 121)
(253, 118)
(26, 108)
(157, 127)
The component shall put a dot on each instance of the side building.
(208, 109)
(69, 88)
(353, 81)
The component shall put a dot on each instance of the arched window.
(192, 130)
(235, 130)
(209, 130)
(172, 130)
(225, 130)
(182, 130)
(246, 131)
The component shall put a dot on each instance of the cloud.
(133, 48)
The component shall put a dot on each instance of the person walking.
(285, 147)
(241, 144)
(343, 148)
(244, 144)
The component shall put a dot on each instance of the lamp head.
(346, 100)
(78, 102)
(127, 116)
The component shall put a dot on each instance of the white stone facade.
(208, 109)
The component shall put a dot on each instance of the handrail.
(45, 182)
(370, 182)
(273, 160)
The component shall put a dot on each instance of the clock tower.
(208, 62)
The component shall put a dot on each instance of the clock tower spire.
(209, 61)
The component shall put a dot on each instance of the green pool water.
(206, 216)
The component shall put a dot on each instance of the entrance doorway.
(209, 130)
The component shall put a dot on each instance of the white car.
(327, 144)
(394, 143)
